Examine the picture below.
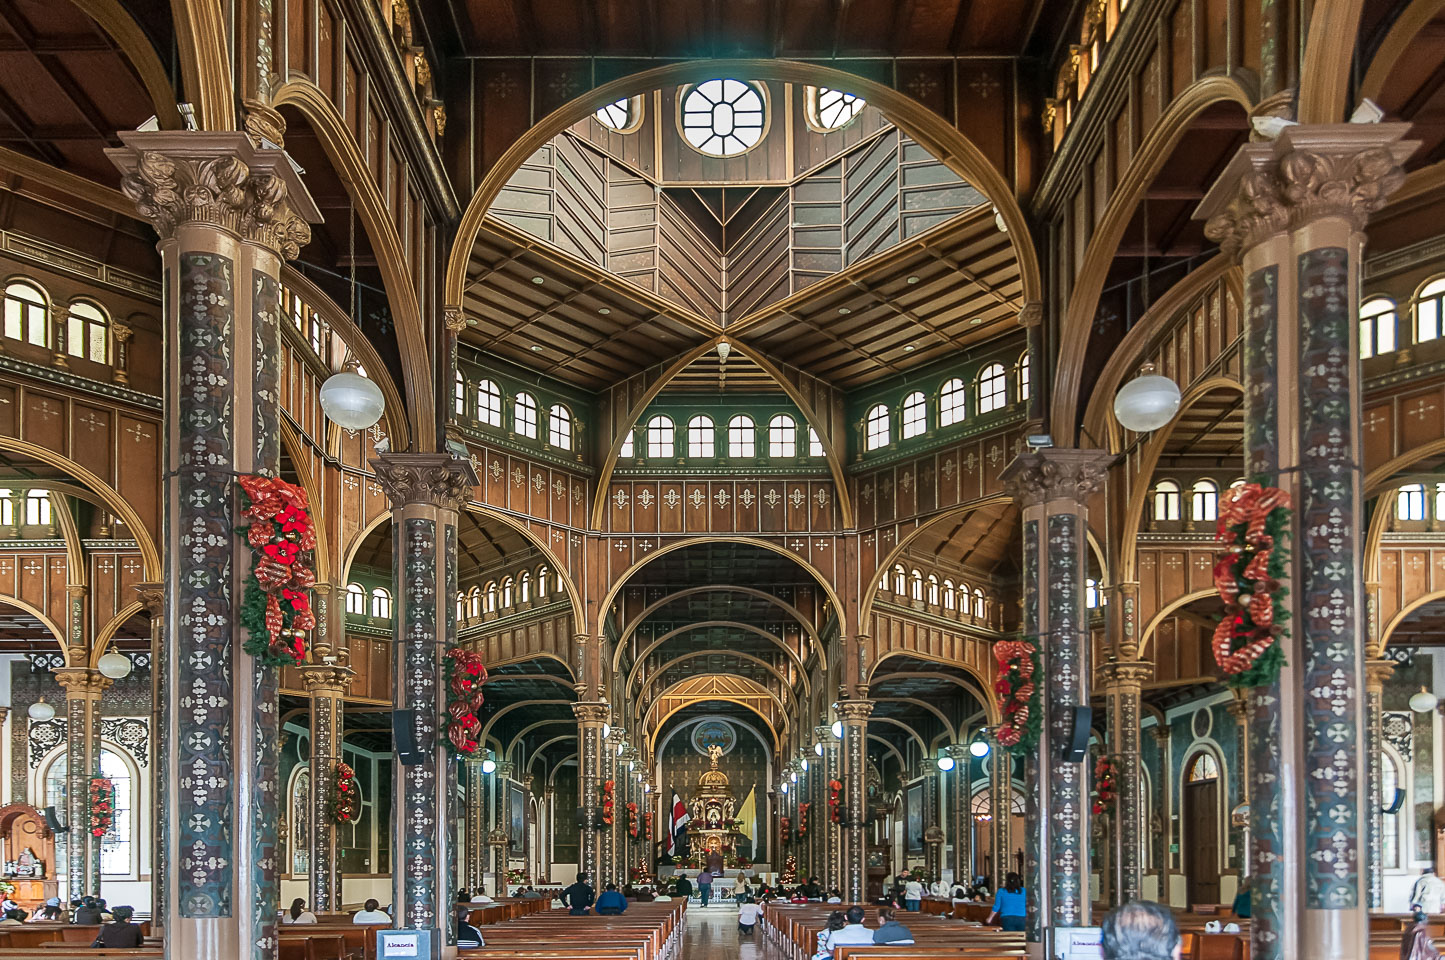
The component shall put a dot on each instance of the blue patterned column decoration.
(474, 838)
(227, 213)
(426, 492)
(1052, 486)
(960, 814)
(327, 682)
(1293, 210)
(855, 714)
(153, 597)
(1122, 682)
(83, 689)
(829, 832)
(1376, 673)
(591, 716)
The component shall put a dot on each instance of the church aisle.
(712, 934)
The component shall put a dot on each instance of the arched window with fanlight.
(1430, 310)
(460, 391)
(827, 109)
(950, 598)
(118, 846)
(37, 508)
(543, 586)
(659, 437)
(559, 427)
(1166, 500)
(489, 404)
(1204, 768)
(914, 419)
(742, 437)
(915, 582)
(524, 415)
(381, 604)
(506, 598)
(1410, 502)
(815, 445)
(491, 594)
(980, 605)
(26, 313)
(933, 589)
(524, 587)
(876, 432)
(356, 599)
(1204, 501)
(626, 451)
(992, 388)
(900, 580)
(1024, 376)
(701, 437)
(474, 603)
(87, 332)
(952, 402)
(1377, 326)
(782, 436)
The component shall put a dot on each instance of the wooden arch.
(990, 705)
(788, 608)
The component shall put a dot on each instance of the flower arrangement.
(785, 830)
(276, 603)
(1017, 689)
(835, 810)
(465, 676)
(632, 819)
(605, 792)
(1105, 789)
(647, 826)
(516, 876)
(803, 819)
(102, 806)
(1254, 527)
(345, 807)
(7, 889)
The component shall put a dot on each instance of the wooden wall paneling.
(298, 45)
(1420, 415)
(92, 435)
(51, 581)
(721, 497)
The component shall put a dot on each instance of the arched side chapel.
(746, 383)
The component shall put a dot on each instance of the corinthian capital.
(1055, 473)
(855, 710)
(1345, 170)
(180, 177)
(435, 478)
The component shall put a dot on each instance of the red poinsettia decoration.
(835, 810)
(465, 676)
(803, 809)
(346, 796)
(1105, 787)
(632, 819)
(647, 826)
(1253, 526)
(102, 806)
(276, 607)
(785, 829)
(606, 796)
(1017, 689)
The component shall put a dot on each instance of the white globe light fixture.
(647, 788)
(489, 766)
(785, 788)
(41, 711)
(1147, 402)
(1422, 702)
(818, 748)
(805, 764)
(606, 730)
(350, 400)
(946, 764)
(838, 729)
(114, 665)
(978, 748)
(793, 777)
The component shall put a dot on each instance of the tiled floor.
(712, 934)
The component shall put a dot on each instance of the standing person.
(704, 885)
(579, 897)
(120, 933)
(1428, 894)
(1010, 904)
(1137, 930)
(913, 895)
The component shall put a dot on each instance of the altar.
(27, 852)
(713, 828)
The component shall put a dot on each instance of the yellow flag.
(748, 815)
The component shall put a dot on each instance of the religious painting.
(913, 820)
(516, 806)
(714, 732)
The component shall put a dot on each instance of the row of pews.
(65, 941)
(790, 932)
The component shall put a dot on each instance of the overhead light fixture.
(805, 764)
(603, 310)
(912, 279)
(838, 729)
(538, 280)
(978, 748)
(1147, 402)
(606, 730)
(114, 665)
(489, 765)
(40, 711)
(844, 311)
(946, 763)
(998, 220)
(536, 348)
(647, 788)
(631, 765)
(975, 321)
(908, 348)
(621, 747)
(1422, 702)
(793, 777)
(350, 400)
(818, 748)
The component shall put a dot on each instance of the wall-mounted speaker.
(1396, 802)
(1076, 743)
(597, 823)
(403, 733)
(52, 820)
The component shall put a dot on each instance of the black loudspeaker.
(597, 823)
(1076, 744)
(1396, 802)
(581, 816)
(403, 732)
(53, 821)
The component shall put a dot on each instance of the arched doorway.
(1201, 828)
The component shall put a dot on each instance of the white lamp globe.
(945, 764)
(114, 665)
(489, 766)
(1422, 702)
(818, 748)
(838, 729)
(41, 711)
(805, 764)
(606, 730)
(793, 777)
(647, 788)
(350, 400)
(1147, 402)
(785, 788)
(979, 748)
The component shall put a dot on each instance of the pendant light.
(348, 399)
(1422, 702)
(114, 665)
(40, 711)
(1147, 402)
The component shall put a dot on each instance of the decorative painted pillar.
(932, 823)
(591, 716)
(83, 687)
(153, 597)
(607, 839)
(1239, 710)
(1122, 682)
(500, 837)
(831, 833)
(327, 682)
(1376, 673)
(425, 490)
(1001, 798)
(1162, 826)
(549, 832)
(474, 835)
(526, 825)
(960, 815)
(226, 213)
(1293, 210)
(1052, 486)
(854, 714)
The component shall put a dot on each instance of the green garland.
(1247, 643)
(1020, 676)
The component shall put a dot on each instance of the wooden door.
(1201, 841)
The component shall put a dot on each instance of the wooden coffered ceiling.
(483, 546)
(984, 540)
(1208, 433)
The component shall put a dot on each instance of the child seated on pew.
(467, 935)
(835, 922)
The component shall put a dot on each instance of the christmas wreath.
(345, 807)
(835, 810)
(632, 819)
(803, 819)
(465, 676)
(102, 806)
(276, 603)
(1105, 790)
(1254, 526)
(605, 792)
(1017, 688)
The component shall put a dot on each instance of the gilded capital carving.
(175, 178)
(1377, 672)
(1032, 314)
(856, 711)
(436, 478)
(455, 319)
(152, 596)
(321, 679)
(121, 332)
(1308, 173)
(1121, 676)
(82, 683)
(594, 712)
(1055, 473)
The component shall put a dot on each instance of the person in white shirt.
(938, 889)
(1428, 894)
(748, 913)
(853, 932)
(371, 913)
(482, 897)
(298, 913)
(913, 895)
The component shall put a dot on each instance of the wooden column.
(960, 816)
(1001, 764)
(591, 716)
(831, 833)
(1161, 827)
(153, 597)
(83, 687)
(500, 837)
(1122, 683)
(474, 854)
(1294, 210)
(226, 213)
(327, 682)
(855, 714)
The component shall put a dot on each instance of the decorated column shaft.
(1161, 827)
(500, 839)
(153, 597)
(226, 213)
(607, 855)
(591, 716)
(1052, 486)
(1294, 210)
(1001, 804)
(855, 714)
(1376, 673)
(960, 816)
(426, 490)
(83, 688)
(830, 834)
(1122, 682)
(334, 794)
(474, 854)
(933, 834)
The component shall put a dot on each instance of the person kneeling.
(748, 915)
(120, 933)
(611, 903)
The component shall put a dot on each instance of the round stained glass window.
(835, 109)
(723, 118)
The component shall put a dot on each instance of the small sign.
(1173, 848)
(1078, 943)
(403, 944)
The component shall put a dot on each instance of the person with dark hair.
(611, 903)
(890, 931)
(467, 935)
(88, 912)
(853, 932)
(52, 911)
(836, 921)
(1141, 930)
(14, 917)
(579, 897)
(1010, 904)
(371, 912)
(298, 913)
(748, 913)
(1417, 944)
(120, 933)
(683, 887)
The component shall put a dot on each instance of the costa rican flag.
(677, 819)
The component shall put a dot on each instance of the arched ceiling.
(483, 546)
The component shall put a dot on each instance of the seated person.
(1141, 930)
(644, 895)
(370, 913)
(120, 933)
(480, 897)
(88, 912)
(853, 931)
(611, 903)
(298, 913)
(684, 887)
(467, 935)
(748, 914)
(51, 911)
(105, 915)
(890, 931)
(529, 894)
(14, 917)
